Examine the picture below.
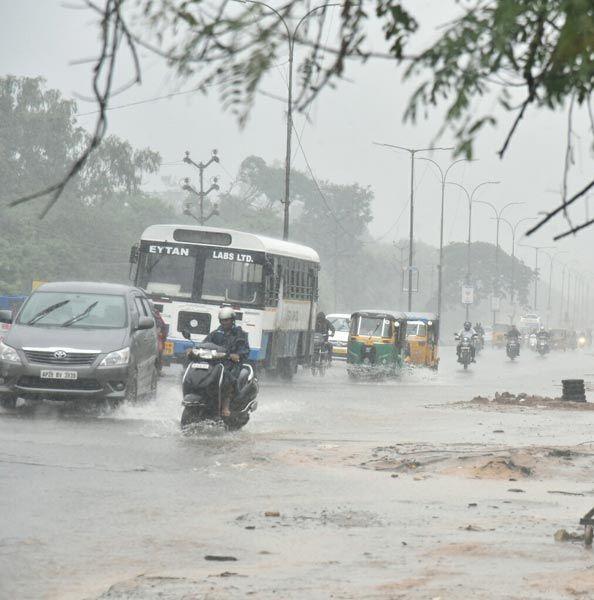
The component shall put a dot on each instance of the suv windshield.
(68, 309)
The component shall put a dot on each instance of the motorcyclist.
(324, 327)
(235, 341)
(543, 334)
(465, 332)
(514, 334)
(480, 332)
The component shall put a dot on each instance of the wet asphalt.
(123, 505)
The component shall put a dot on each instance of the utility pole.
(201, 194)
(412, 152)
(291, 35)
(470, 198)
(498, 216)
(444, 177)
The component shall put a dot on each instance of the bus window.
(231, 281)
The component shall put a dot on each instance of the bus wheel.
(285, 369)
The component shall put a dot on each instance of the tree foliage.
(40, 137)
(485, 279)
(88, 235)
(542, 49)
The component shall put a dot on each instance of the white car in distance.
(341, 323)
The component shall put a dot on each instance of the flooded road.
(122, 505)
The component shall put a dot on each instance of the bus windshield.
(202, 275)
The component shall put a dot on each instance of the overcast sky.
(43, 37)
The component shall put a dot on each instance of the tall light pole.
(291, 35)
(514, 228)
(470, 198)
(536, 249)
(412, 152)
(552, 258)
(443, 184)
(498, 217)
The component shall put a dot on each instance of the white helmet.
(226, 313)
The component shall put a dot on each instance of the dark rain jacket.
(235, 341)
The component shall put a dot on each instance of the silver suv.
(75, 340)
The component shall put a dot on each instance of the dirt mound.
(527, 400)
(477, 461)
(501, 468)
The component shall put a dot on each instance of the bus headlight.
(116, 358)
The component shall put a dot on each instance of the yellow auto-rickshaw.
(422, 337)
(499, 332)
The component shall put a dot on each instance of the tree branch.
(561, 207)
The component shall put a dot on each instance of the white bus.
(191, 271)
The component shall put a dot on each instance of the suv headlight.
(117, 358)
(9, 354)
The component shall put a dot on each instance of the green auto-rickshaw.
(377, 340)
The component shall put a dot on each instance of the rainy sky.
(45, 37)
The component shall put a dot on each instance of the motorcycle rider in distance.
(465, 332)
(543, 334)
(235, 341)
(514, 334)
(325, 328)
(480, 332)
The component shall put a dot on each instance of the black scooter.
(465, 349)
(542, 346)
(513, 348)
(204, 386)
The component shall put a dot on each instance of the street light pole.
(470, 198)
(514, 228)
(552, 258)
(536, 249)
(440, 266)
(412, 152)
(498, 217)
(291, 35)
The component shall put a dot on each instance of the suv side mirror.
(185, 333)
(5, 316)
(145, 323)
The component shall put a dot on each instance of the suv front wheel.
(8, 401)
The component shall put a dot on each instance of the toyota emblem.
(60, 354)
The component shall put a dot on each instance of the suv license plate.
(200, 365)
(59, 374)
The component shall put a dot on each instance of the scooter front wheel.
(191, 415)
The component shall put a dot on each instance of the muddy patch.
(340, 518)
(484, 462)
(508, 400)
